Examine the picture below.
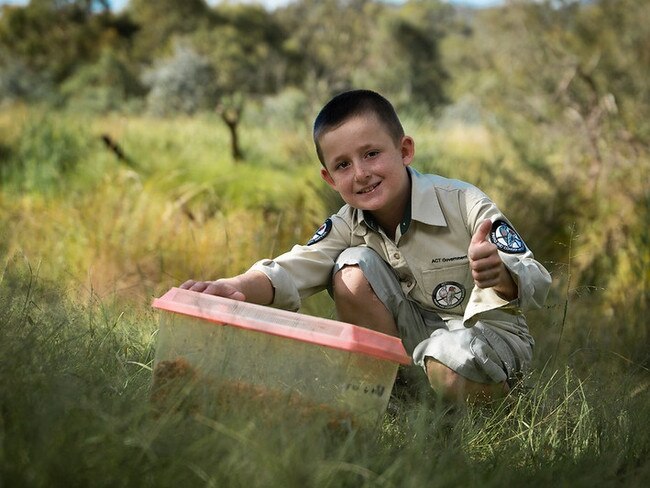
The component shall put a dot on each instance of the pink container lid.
(292, 325)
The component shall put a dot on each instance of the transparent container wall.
(349, 382)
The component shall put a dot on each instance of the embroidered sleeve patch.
(321, 233)
(506, 238)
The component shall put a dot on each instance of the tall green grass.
(75, 411)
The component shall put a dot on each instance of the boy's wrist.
(256, 286)
(507, 288)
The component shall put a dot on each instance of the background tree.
(51, 39)
(403, 55)
(110, 83)
(394, 49)
(159, 22)
(20, 82)
(245, 49)
(328, 39)
(183, 83)
(55, 37)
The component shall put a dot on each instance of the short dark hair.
(351, 104)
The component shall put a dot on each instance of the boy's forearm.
(256, 286)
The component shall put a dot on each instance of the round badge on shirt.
(506, 238)
(448, 295)
(321, 233)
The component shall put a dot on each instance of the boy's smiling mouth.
(368, 189)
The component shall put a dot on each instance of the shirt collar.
(425, 206)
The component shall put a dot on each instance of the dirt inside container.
(179, 387)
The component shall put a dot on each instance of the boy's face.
(365, 166)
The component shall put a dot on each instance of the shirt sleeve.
(306, 269)
(532, 279)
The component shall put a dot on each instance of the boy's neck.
(389, 224)
(393, 217)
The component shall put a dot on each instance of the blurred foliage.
(18, 82)
(182, 84)
(109, 84)
(98, 224)
(160, 22)
(54, 38)
(320, 47)
(46, 155)
(245, 46)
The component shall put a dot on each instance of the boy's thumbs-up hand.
(488, 271)
(484, 260)
(481, 234)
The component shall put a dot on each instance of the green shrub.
(110, 84)
(20, 83)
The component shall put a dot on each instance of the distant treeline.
(183, 55)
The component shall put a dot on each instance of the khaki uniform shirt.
(428, 253)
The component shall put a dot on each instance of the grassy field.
(87, 241)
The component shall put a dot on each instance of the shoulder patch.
(506, 238)
(321, 233)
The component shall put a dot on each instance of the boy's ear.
(327, 177)
(408, 150)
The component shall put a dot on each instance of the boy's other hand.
(220, 288)
(488, 271)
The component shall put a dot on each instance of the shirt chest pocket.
(447, 287)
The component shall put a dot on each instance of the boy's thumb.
(237, 295)
(482, 232)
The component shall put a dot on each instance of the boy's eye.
(342, 165)
(372, 154)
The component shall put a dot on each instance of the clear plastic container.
(257, 351)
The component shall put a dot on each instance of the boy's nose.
(360, 172)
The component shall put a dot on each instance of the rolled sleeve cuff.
(285, 293)
(483, 300)
(533, 282)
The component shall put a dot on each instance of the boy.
(427, 259)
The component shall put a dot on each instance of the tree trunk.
(235, 150)
(231, 115)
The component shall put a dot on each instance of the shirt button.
(396, 255)
(409, 283)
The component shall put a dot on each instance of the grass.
(75, 411)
